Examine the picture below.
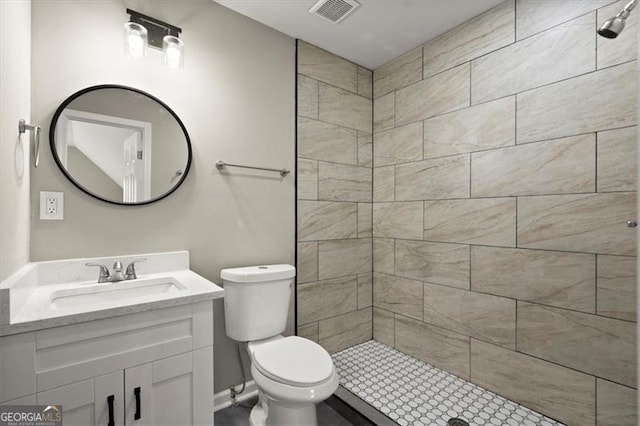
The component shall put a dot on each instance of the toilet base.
(272, 413)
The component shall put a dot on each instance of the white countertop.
(31, 306)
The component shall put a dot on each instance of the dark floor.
(327, 416)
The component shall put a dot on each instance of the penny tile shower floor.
(413, 393)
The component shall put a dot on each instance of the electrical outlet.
(51, 205)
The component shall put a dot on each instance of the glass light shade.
(173, 49)
(135, 40)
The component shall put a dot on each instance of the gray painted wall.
(235, 96)
(15, 39)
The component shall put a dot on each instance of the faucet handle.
(130, 274)
(105, 276)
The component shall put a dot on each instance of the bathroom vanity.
(141, 355)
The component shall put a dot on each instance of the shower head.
(612, 27)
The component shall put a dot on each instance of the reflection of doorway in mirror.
(114, 153)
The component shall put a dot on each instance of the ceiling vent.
(334, 11)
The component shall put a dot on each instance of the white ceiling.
(376, 33)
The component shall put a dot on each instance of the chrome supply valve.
(130, 273)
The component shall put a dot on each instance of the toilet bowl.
(292, 374)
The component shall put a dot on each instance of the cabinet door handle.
(138, 414)
(110, 399)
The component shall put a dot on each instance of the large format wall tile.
(560, 109)
(365, 288)
(399, 295)
(324, 66)
(554, 167)
(384, 112)
(365, 220)
(490, 221)
(384, 326)
(398, 220)
(533, 16)
(439, 347)
(559, 392)
(326, 299)
(345, 330)
(617, 287)
(307, 97)
(484, 317)
(438, 178)
(307, 267)
(340, 182)
(365, 149)
(326, 220)
(344, 108)
(397, 74)
(439, 263)
(476, 37)
(617, 168)
(435, 95)
(597, 345)
(552, 278)
(339, 258)
(617, 405)
(384, 183)
(531, 63)
(398, 145)
(490, 125)
(365, 82)
(624, 47)
(307, 179)
(309, 331)
(593, 223)
(323, 141)
(383, 255)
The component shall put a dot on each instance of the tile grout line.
(502, 296)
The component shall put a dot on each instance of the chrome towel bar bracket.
(220, 165)
(35, 137)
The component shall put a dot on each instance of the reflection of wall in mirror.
(84, 170)
(169, 150)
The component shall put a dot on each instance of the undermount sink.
(97, 294)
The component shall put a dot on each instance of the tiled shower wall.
(504, 174)
(334, 256)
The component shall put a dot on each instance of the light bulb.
(135, 40)
(173, 51)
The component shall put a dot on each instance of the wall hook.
(35, 137)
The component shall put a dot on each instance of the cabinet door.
(166, 391)
(106, 388)
(86, 403)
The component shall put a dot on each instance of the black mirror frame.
(54, 152)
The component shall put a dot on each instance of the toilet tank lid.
(252, 274)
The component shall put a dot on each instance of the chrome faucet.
(117, 272)
(106, 277)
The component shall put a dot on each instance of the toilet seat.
(294, 361)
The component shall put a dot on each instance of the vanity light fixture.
(142, 31)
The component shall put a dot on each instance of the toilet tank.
(256, 300)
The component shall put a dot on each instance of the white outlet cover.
(59, 196)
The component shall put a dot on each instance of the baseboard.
(223, 399)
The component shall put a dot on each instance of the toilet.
(292, 374)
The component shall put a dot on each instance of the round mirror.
(120, 145)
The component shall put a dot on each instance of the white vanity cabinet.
(157, 364)
(85, 402)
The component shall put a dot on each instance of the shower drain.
(457, 422)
